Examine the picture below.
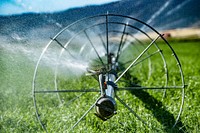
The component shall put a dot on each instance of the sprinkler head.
(105, 107)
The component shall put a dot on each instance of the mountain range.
(161, 14)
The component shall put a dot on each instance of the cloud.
(8, 7)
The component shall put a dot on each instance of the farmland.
(17, 113)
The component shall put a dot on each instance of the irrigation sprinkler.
(98, 62)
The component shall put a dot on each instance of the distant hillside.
(161, 14)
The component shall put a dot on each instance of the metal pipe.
(110, 88)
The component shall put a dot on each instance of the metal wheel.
(113, 66)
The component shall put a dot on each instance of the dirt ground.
(182, 33)
(174, 33)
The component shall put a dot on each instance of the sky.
(10, 7)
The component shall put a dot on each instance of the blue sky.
(9, 7)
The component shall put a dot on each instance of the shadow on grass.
(163, 116)
(157, 108)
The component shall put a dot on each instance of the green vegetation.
(17, 113)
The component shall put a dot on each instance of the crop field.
(17, 111)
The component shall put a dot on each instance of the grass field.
(17, 113)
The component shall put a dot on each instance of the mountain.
(160, 14)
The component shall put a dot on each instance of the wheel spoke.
(142, 53)
(107, 41)
(94, 48)
(133, 112)
(121, 43)
(91, 107)
(61, 45)
(140, 61)
(103, 43)
(150, 88)
(65, 91)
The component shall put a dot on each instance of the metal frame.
(110, 77)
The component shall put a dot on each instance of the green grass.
(17, 113)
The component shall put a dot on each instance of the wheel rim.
(62, 71)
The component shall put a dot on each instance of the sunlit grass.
(17, 113)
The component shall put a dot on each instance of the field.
(17, 112)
